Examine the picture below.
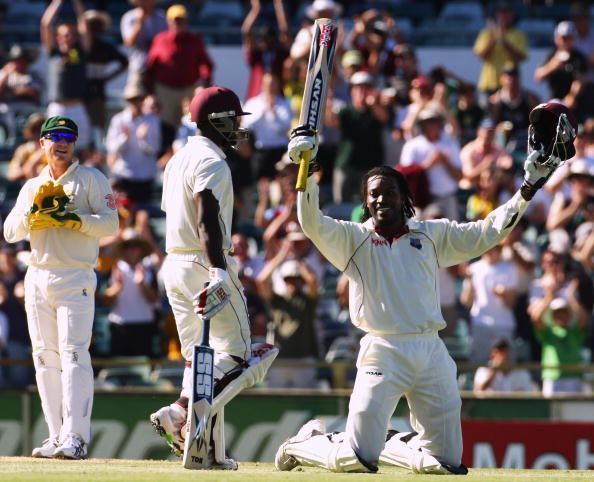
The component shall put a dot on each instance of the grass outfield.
(25, 469)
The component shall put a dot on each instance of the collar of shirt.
(403, 230)
(205, 141)
(45, 173)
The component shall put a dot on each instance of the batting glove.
(537, 174)
(303, 139)
(212, 299)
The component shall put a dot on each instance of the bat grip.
(303, 170)
(205, 326)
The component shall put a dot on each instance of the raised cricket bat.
(319, 69)
(200, 411)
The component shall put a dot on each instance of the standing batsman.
(198, 201)
(64, 211)
(391, 261)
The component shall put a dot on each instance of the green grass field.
(25, 469)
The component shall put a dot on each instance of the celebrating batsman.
(64, 211)
(391, 261)
(198, 201)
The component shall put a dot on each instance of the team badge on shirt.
(110, 202)
(415, 243)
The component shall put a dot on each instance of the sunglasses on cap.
(61, 136)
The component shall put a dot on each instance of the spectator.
(132, 294)
(498, 43)
(489, 291)
(482, 154)
(487, 196)
(425, 94)
(292, 328)
(584, 35)
(251, 265)
(375, 35)
(439, 155)
(104, 63)
(138, 27)
(176, 63)
(523, 254)
(68, 48)
(405, 69)
(133, 142)
(269, 123)
(12, 305)
(561, 327)
(152, 106)
(564, 64)
(499, 375)
(265, 49)
(568, 210)
(468, 112)
(20, 87)
(28, 159)
(361, 125)
(510, 107)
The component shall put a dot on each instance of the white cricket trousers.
(184, 275)
(60, 306)
(420, 368)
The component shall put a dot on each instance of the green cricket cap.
(59, 123)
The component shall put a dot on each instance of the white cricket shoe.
(72, 447)
(285, 462)
(47, 449)
(169, 422)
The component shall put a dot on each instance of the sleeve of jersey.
(336, 240)
(16, 224)
(460, 242)
(214, 176)
(104, 218)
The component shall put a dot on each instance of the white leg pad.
(77, 386)
(320, 451)
(398, 453)
(262, 357)
(343, 459)
(218, 436)
(49, 383)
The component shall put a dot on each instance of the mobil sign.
(528, 445)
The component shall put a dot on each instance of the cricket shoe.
(285, 462)
(47, 449)
(169, 422)
(227, 464)
(73, 447)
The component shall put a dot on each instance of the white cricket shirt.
(394, 287)
(197, 166)
(90, 193)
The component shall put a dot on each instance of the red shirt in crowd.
(178, 60)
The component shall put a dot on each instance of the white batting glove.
(302, 139)
(537, 174)
(212, 299)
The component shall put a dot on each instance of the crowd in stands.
(460, 144)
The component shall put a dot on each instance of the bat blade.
(197, 444)
(319, 70)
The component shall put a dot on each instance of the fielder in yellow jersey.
(64, 211)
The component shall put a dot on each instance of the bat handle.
(205, 326)
(303, 170)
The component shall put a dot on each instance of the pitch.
(26, 469)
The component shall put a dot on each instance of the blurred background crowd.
(460, 142)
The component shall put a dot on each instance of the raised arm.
(81, 24)
(47, 30)
(248, 24)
